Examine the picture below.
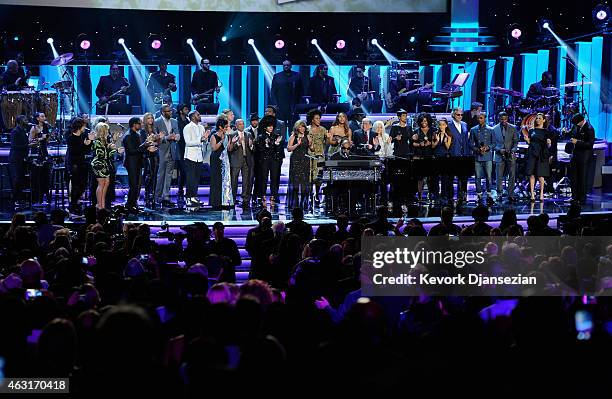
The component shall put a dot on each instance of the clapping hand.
(278, 140)
(91, 136)
(574, 140)
(548, 142)
(398, 137)
(152, 148)
(120, 150)
(206, 134)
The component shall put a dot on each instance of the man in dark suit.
(506, 139)
(362, 138)
(109, 85)
(252, 130)
(285, 92)
(581, 149)
(167, 128)
(133, 162)
(270, 146)
(18, 155)
(460, 133)
(241, 161)
(321, 86)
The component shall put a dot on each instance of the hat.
(254, 117)
(401, 111)
(267, 121)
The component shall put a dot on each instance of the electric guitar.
(391, 102)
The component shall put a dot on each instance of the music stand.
(207, 108)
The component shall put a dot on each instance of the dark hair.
(475, 105)
(297, 213)
(133, 121)
(181, 106)
(21, 119)
(221, 123)
(191, 114)
(318, 68)
(447, 130)
(577, 118)
(272, 107)
(77, 123)
(422, 116)
(502, 113)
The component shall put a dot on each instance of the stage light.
(223, 38)
(545, 25)
(50, 40)
(412, 39)
(190, 41)
(516, 33)
(16, 38)
(251, 42)
(156, 44)
(340, 44)
(314, 42)
(374, 42)
(121, 41)
(85, 44)
(601, 16)
(279, 44)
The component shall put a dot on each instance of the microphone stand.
(582, 76)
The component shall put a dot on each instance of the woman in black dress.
(151, 164)
(299, 167)
(421, 143)
(538, 155)
(217, 142)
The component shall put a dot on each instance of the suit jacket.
(462, 145)
(134, 150)
(19, 145)
(281, 130)
(168, 149)
(235, 151)
(583, 149)
(508, 143)
(267, 149)
(321, 91)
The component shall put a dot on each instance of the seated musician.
(161, 84)
(397, 87)
(321, 86)
(13, 78)
(536, 90)
(112, 90)
(344, 152)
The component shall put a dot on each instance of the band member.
(41, 165)
(397, 87)
(355, 116)
(182, 121)
(318, 136)
(481, 138)
(536, 90)
(241, 162)
(286, 91)
(321, 86)
(220, 177)
(14, 78)
(151, 158)
(77, 148)
(553, 134)
(269, 144)
(582, 138)
(400, 134)
(111, 91)
(18, 157)
(167, 129)
(538, 156)
(421, 143)
(339, 130)
(475, 110)
(382, 142)
(195, 137)
(443, 147)
(102, 162)
(161, 84)
(299, 167)
(358, 83)
(462, 148)
(344, 150)
(504, 158)
(204, 85)
(133, 161)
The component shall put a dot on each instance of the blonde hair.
(297, 125)
(376, 125)
(102, 129)
(144, 123)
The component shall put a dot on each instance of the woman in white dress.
(382, 145)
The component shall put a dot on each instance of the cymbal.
(62, 59)
(502, 90)
(574, 84)
(550, 89)
(62, 85)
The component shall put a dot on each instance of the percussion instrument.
(47, 103)
(575, 84)
(525, 106)
(12, 106)
(527, 123)
(62, 59)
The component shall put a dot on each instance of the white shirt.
(168, 123)
(193, 142)
(457, 125)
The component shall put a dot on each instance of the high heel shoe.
(532, 198)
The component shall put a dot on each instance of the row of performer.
(154, 150)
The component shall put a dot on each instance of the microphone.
(121, 126)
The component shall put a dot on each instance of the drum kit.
(31, 100)
(522, 110)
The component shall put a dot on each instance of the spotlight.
(314, 42)
(50, 40)
(121, 41)
(374, 42)
(190, 41)
(279, 44)
(224, 38)
(601, 16)
(412, 39)
(251, 42)
(156, 44)
(516, 33)
(85, 44)
(340, 44)
(16, 38)
(545, 25)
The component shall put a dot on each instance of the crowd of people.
(118, 309)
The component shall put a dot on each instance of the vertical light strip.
(583, 57)
(543, 57)
(243, 94)
(529, 71)
(508, 71)
(262, 100)
(561, 68)
(595, 105)
(489, 74)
